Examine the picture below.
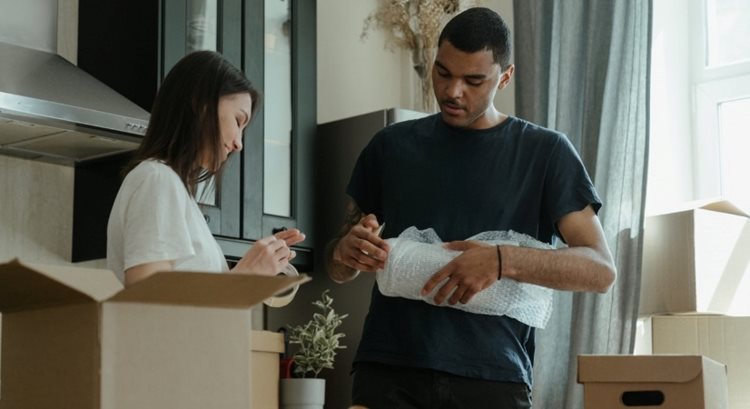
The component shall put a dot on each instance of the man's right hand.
(362, 248)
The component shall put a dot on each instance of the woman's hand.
(270, 255)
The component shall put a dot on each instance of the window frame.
(710, 87)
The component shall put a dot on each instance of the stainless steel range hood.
(52, 110)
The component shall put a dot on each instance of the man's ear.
(506, 76)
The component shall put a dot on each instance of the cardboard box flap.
(23, 287)
(197, 289)
(712, 204)
(637, 369)
(725, 206)
(96, 283)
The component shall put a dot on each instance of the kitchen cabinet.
(268, 186)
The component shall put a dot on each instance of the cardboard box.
(697, 260)
(721, 338)
(658, 381)
(266, 347)
(73, 338)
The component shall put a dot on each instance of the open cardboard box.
(697, 260)
(74, 338)
(652, 381)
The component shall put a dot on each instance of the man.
(463, 171)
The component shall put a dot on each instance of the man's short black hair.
(477, 29)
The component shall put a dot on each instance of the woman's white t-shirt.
(154, 218)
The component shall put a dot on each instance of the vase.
(302, 393)
(422, 59)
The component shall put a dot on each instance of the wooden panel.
(67, 29)
(36, 211)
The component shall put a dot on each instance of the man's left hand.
(471, 272)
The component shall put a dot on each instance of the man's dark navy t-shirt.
(460, 182)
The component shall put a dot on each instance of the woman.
(198, 117)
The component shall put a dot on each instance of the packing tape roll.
(286, 297)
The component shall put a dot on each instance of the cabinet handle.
(278, 229)
(207, 217)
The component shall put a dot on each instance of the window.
(734, 145)
(700, 90)
(727, 32)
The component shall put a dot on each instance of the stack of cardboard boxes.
(694, 324)
(695, 290)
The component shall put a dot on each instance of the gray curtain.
(582, 68)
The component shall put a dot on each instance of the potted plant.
(317, 342)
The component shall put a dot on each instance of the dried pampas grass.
(415, 25)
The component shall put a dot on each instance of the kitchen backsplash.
(36, 210)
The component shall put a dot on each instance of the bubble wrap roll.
(416, 255)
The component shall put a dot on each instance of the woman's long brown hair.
(184, 125)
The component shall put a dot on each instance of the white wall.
(30, 23)
(356, 77)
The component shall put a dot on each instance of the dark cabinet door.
(278, 182)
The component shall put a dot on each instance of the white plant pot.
(302, 393)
